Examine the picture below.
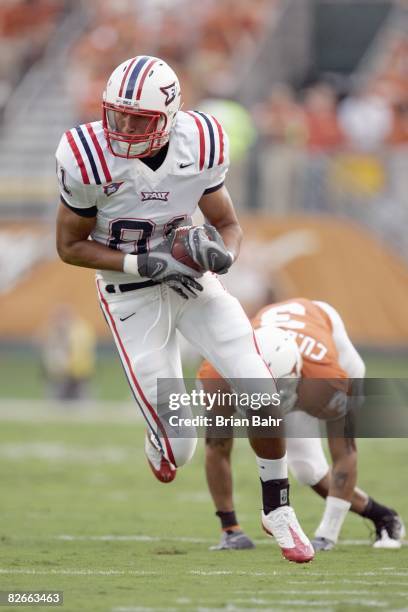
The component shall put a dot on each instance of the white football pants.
(144, 322)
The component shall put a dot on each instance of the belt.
(130, 286)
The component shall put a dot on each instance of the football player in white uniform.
(127, 182)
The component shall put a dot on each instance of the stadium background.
(314, 96)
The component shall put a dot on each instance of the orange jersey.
(312, 330)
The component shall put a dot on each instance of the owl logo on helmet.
(140, 105)
(170, 92)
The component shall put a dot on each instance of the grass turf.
(81, 512)
(109, 383)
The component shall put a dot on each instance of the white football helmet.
(280, 351)
(145, 90)
(282, 356)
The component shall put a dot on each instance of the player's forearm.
(232, 237)
(344, 477)
(344, 472)
(88, 254)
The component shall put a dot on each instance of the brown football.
(179, 250)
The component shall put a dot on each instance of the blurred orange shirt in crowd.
(280, 119)
(15, 19)
(323, 130)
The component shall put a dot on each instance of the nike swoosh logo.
(128, 317)
(213, 258)
(159, 267)
(186, 165)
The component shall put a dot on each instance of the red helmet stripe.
(122, 85)
(78, 157)
(142, 80)
(202, 138)
(221, 136)
(100, 153)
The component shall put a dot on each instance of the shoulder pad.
(83, 152)
(203, 137)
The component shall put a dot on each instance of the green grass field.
(20, 373)
(81, 512)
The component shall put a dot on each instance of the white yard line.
(315, 591)
(364, 603)
(228, 608)
(34, 411)
(148, 538)
(75, 572)
(143, 609)
(347, 581)
(131, 538)
(59, 451)
(114, 572)
(275, 573)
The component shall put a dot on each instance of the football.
(179, 248)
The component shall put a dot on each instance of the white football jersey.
(134, 205)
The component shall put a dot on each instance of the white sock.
(272, 469)
(333, 518)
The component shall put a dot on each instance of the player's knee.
(248, 365)
(183, 449)
(307, 472)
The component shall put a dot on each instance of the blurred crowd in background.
(67, 353)
(25, 29)
(316, 125)
(204, 42)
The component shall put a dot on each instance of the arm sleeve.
(75, 194)
(212, 189)
(349, 358)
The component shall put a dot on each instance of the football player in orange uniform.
(329, 357)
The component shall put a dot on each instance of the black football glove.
(207, 249)
(159, 265)
(185, 286)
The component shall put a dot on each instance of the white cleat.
(384, 541)
(283, 525)
(160, 466)
(390, 531)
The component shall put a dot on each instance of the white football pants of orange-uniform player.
(306, 459)
(144, 323)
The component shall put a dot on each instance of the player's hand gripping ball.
(180, 247)
(201, 248)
